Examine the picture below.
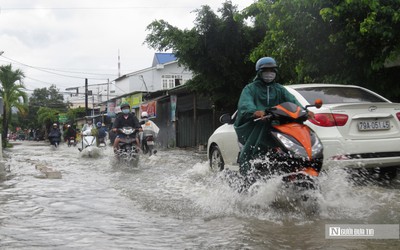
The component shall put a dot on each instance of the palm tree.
(47, 116)
(12, 94)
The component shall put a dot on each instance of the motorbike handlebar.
(265, 117)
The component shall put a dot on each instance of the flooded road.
(172, 201)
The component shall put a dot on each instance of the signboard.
(150, 108)
(62, 118)
(173, 107)
(133, 100)
(111, 109)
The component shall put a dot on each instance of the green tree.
(13, 95)
(47, 116)
(347, 42)
(369, 32)
(72, 114)
(44, 97)
(216, 50)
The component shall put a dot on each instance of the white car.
(358, 128)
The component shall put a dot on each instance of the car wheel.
(216, 160)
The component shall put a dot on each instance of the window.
(171, 81)
(330, 95)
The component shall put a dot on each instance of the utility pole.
(119, 65)
(108, 90)
(145, 85)
(86, 96)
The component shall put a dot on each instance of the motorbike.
(89, 146)
(102, 142)
(298, 155)
(71, 141)
(128, 151)
(148, 144)
(55, 141)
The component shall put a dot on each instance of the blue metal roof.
(162, 58)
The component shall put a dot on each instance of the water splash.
(337, 197)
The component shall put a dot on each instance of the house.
(185, 119)
(165, 73)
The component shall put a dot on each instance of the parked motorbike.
(148, 145)
(71, 142)
(128, 151)
(298, 155)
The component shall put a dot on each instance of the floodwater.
(173, 201)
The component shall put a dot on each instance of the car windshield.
(331, 95)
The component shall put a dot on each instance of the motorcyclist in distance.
(125, 119)
(54, 135)
(87, 128)
(70, 133)
(148, 126)
(263, 93)
(101, 133)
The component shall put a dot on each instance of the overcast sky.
(62, 42)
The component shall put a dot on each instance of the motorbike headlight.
(127, 131)
(317, 147)
(292, 145)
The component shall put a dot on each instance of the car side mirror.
(225, 118)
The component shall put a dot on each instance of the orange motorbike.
(298, 155)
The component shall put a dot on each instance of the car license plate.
(373, 125)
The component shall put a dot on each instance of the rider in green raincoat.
(256, 97)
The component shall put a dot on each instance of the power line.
(96, 8)
(27, 77)
(50, 72)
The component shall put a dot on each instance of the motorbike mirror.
(225, 118)
(318, 103)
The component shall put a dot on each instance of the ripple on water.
(171, 200)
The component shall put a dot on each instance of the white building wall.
(152, 78)
(130, 83)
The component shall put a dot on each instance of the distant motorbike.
(148, 144)
(55, 141)
(299, 154)
(102, 142)
(128, 151)
(71, 141)
(89, 146)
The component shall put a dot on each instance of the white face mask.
(268, 76)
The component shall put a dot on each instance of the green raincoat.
(255, 136)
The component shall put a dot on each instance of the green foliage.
(47, 116)
(216, 51)
(13, 95)
(44, 97)
(72, 114)
(347, 42)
